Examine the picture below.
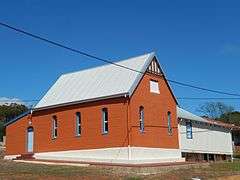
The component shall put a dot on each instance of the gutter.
(30, 111)
(81, 101)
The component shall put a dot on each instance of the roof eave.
(140, 75)
(82, 101)
(18, 117)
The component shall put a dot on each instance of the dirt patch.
(234, 177)
(2, 152)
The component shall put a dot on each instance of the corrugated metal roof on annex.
(102, 81)
(183, 114)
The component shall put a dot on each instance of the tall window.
(189, 130)
(141, 118)
(54, 127)
(104, 121)
(169, 118)
(78, 124)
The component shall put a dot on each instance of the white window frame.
(141, 119)
(105, 117)
(169, 122)
(54, 127)
(154, 87)
(189, 134)
(78, 124)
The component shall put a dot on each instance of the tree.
(8, 112)
(215, 110)
(1, 130)
(231, 117)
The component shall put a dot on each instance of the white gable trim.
(140, 75)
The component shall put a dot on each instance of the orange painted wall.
(156, 107)
(16, 135)
(119, 109)
(90, 138)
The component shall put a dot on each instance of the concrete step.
(27, 156)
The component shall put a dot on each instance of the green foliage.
(8, 112)
(231, 117)
(1, 130)
(215, 109)
(236, 155)
(220, 111)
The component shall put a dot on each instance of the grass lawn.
(17, 170)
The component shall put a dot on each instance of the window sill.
(156, 93)
(105, 133)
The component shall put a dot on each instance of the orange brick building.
(104, 114)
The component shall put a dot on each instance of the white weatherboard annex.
(206, 138)
(100, 82)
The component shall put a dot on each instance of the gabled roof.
(183, 114)
(96, 83)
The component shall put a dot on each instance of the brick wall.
(123, 118)
(156, 107)
(90, 138)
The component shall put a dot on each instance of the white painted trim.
(124, 155)
(10, 157)
(205, 151)
(129, 152)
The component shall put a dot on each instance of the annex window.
(154, 88)
(169, 121)
(54, 127)
(141, 118)
(189, 130)
(78, 124)
(104, 120)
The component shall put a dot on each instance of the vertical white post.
(129, 153)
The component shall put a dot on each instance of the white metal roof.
(100, 82)
(183, 114)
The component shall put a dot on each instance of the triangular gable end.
(153, 67)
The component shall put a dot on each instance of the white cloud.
(8, 101)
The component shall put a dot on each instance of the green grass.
(14, 170)
(226, 166)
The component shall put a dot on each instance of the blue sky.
(197, 42)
